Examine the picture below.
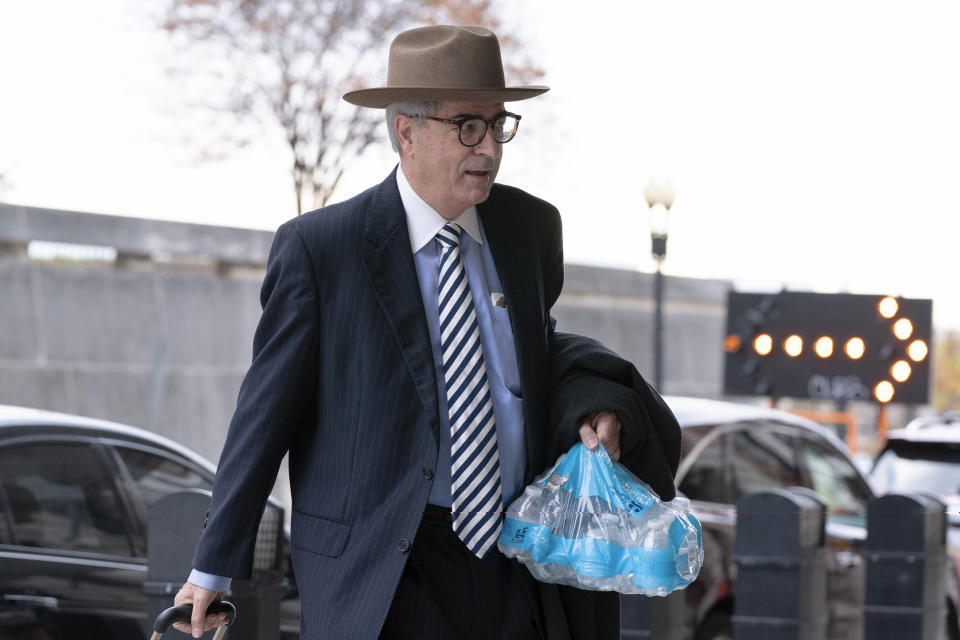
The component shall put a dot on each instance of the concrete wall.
(160, 336)
(617, 308)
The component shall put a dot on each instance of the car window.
(157, 476)
(706, 478)
(61, 498)
(917, 467)
(834, 478)
(762, 459)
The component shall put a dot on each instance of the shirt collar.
(423, 221)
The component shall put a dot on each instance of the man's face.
(447, 175)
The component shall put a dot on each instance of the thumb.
(588, 436)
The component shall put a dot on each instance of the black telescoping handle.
(183, 612)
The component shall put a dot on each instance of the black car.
(74, 496)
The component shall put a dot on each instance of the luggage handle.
(183, 613)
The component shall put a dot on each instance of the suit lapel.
(513, 262)
(515, 265)
(389, 264)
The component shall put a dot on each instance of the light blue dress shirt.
(496, 336)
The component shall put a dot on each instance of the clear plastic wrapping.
(589, 523)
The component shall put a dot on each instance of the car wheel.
(717, 626)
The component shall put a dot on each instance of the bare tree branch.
(283, 65)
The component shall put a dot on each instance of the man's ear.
(404, 128)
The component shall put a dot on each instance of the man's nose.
(489, 146)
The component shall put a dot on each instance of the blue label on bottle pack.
(593, 558)
(590, 523)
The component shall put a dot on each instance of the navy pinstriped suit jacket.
(343, 377)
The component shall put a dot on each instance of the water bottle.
(589, 523)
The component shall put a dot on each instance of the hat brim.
(380, 97)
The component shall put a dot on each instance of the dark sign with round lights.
(828, 346)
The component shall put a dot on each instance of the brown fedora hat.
(443, 62)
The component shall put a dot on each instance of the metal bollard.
(906, 560)
(635, 617)
(174, 528)
(669, 617)
(780, 560)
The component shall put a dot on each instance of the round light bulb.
(903, 328)
(763, 344)
(824, 346)
(888, 307)
(732, 343)
(793, 346)
(883, 391)
(900, 370)
(855, 348)
(917, 350)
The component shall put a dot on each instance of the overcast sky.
(815, 147)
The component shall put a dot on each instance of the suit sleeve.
(279, 383)
(586, 377)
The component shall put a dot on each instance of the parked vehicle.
(923, 456)
(731, 450)
(74, 495)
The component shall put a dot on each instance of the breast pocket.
(508, 350)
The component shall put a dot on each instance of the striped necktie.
(475, 493)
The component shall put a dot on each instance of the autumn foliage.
(946, 372)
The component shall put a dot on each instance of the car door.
(833, 476)
(725, 463)
(706, 481)
(763, 456)
(67, 563)
(150, 474)
(835, 479)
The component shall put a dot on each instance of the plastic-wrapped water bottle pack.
(590, 523)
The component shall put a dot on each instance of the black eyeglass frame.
(487, 124)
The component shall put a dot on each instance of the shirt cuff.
(208, 581)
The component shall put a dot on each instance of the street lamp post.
(659, 200)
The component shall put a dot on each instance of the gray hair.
(416, 110)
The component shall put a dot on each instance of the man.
(407, 361)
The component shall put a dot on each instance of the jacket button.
(427, 473)
(404, 546)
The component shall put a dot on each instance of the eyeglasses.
(471, 130)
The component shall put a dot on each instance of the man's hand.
(604, 427)
(200, 598)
